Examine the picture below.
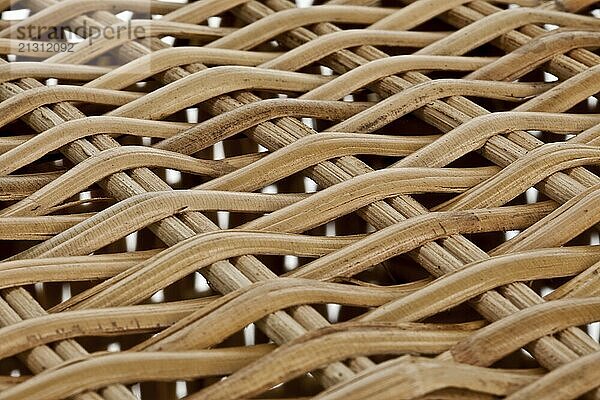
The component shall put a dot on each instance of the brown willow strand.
(199, 329)
(95, 322)
(19, 105)
(22, 186)
(443, 261)
(422, 11)
(17, 187)
(261, 31)
(62, 325)
(398, 239)
(131, 257)
(142, 210)
(166, 58)
(573, 379)
(157, 105)
(328, 44)
(63, 134)
(340, 342)
(225, 125)
(530, 56)
(105, 370)
(417, 96)
(38, 228)
(473, 134)
(503, 21)
(300, 356)
(573, 90)
(502, 337)
(543, 161)
(161, 60)
(19, 70)
(178, 260)
(53, 272)
(410, 377)
(310, 151)
(530, 214)
(105, 164)
(299, 288)
(583, 285)
(484, 275)
(539, 233)
(67, 268)
(359, 77)
(215, 81)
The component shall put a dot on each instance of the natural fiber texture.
(360, 199)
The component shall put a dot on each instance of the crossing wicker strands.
(331, 199)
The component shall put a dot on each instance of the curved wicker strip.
(235, 121)
(410, 377)
(31, 99)
(328, 44)
(327, 345)
(565, 382)
(108, 369)
(195, 330)
(139, 211)
(297, 183)
(104, 164)
(479, 277)
(419, 95)
(216, 81)
(14, 71)
(546, 318)
(145, 67)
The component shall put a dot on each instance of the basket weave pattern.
(356, 199)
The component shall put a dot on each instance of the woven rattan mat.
(258, 199)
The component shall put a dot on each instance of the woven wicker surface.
(356, 199)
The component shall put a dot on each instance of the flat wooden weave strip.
(342, 199)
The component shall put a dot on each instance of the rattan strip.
(343, 158)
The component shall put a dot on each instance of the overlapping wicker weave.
(351, 199)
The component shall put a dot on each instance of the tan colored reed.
(413, 206)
